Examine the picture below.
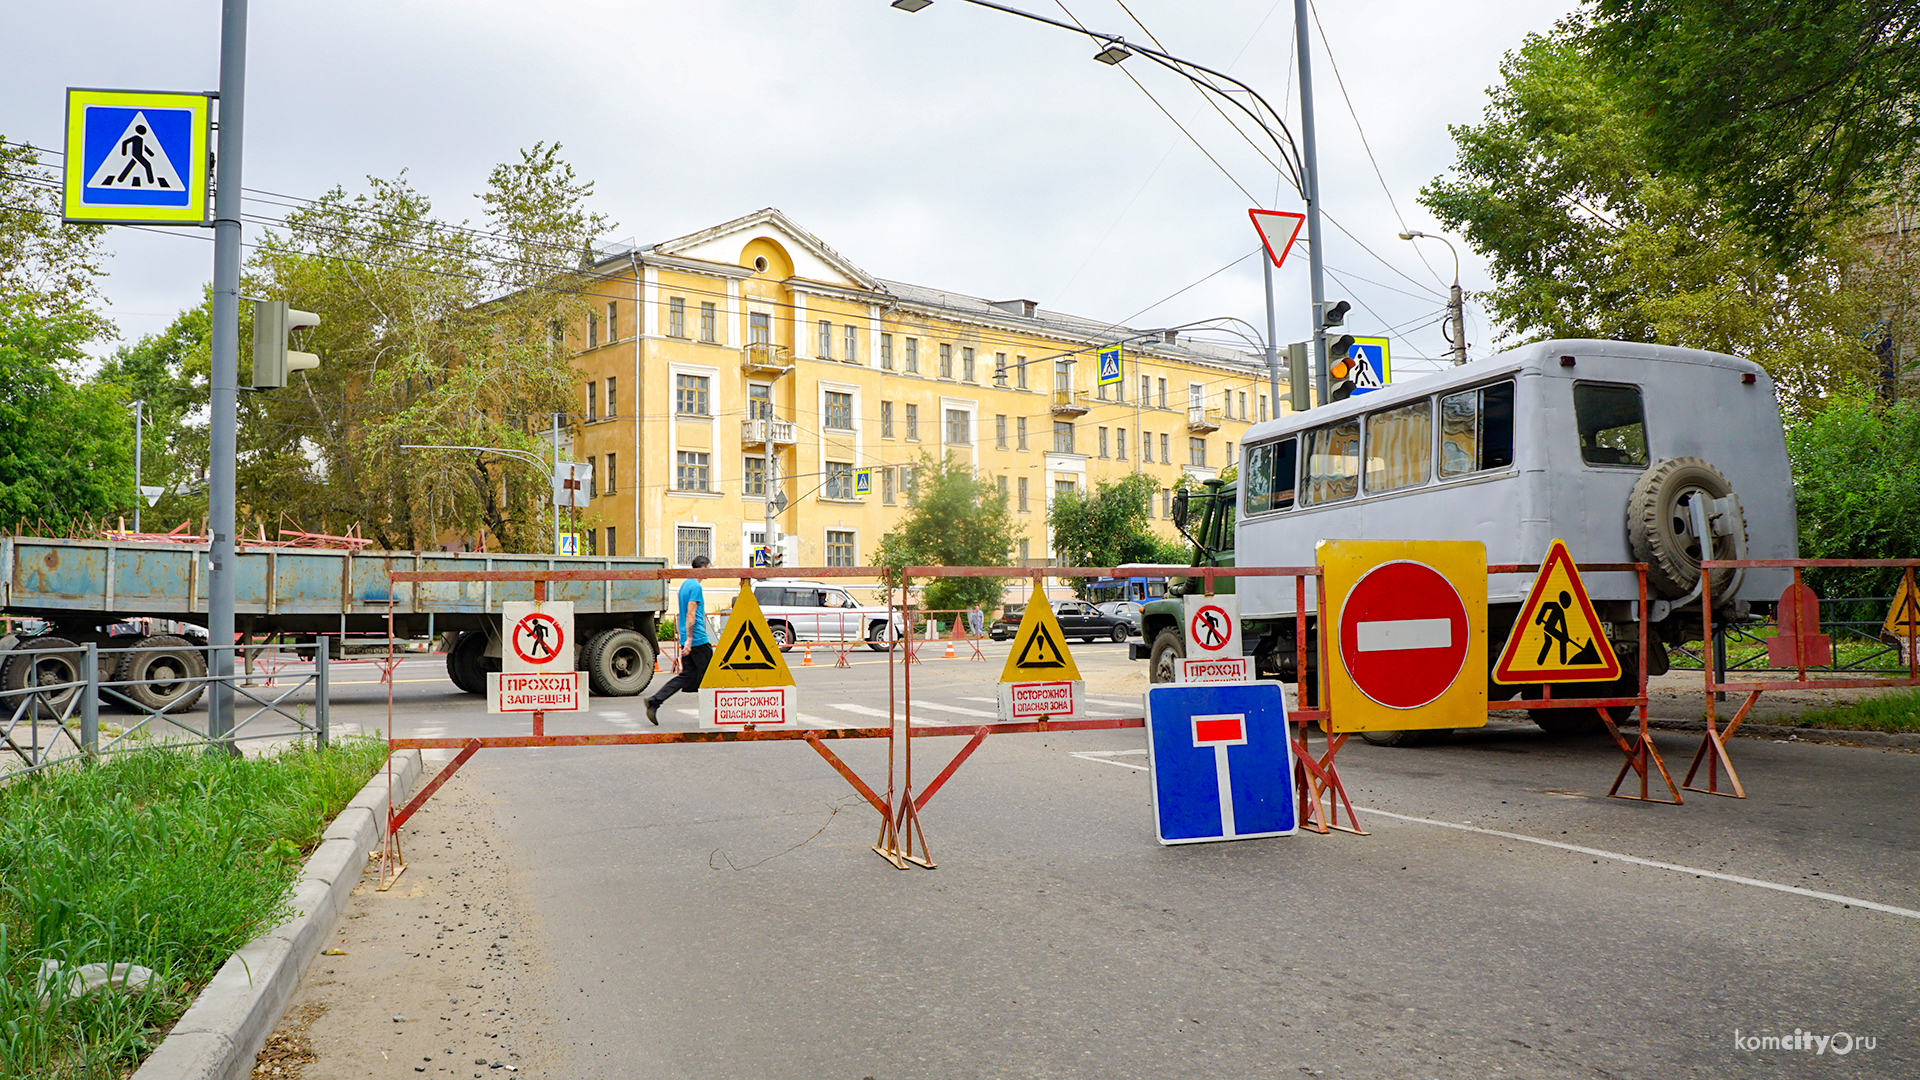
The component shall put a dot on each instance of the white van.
(816, 611)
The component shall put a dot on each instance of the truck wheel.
(877, 637)
(467, 662)
(33, 663)
(165, 673)
(619, 662)
(1164, 660)
(1424, 737)
(1660, 527)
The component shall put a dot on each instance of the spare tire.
(1660, 527)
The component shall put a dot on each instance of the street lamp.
(1458, 337)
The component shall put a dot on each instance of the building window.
(839, 547)
(691, 471)
(613, 541)
(1120, 390)
(1146, 447)
(966, 362)
(558, 335)
(613, 329)
(709, 322)
(1146, 389)
(759, 328)
(759, 401)
(677, 317)
(826, 340)
(1163, 394)
(1022, 494)
(839, 480)
(886, 419)
(913, 355)
(690, 542)
(886, 351)
(1020, 433)
(1166, 455)
(613, 474)
(946, 360)
(753, 476)
(593, 330)
(851, 354)
(886, 486)
(1226, 403)
(913, 423)
(690, 395)
(999, 369)
(1100, 390)
(1020, 372)
(1064, 487)
(1166, 503)
(1026, 556)
(958, 421)
(839, 411)
(1197, 452)
(1000, 431)
(1103, 442)
(593, 396)
(1120, 443)
(1063, 436)
(1229, 452)
(909, 484)
(1001, 482)
(1062, 377)
(1196, 396)
(1243, 406)
(613, 398)
(593, 480)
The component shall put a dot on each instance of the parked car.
(814, 611)
(1077, 619)
(1123, 609)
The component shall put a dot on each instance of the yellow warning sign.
(1904, 618)
(748, 654)
(1039, 649)
(1558, 637)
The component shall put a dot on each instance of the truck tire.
(1422, 737)
(467, 662)
(619, 662)
(34, 663)
(1659, 524)
(1168, 650)
(164, 672)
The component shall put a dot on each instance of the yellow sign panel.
(1558, 637)
(1904, 618)
(1405, 632)
(136, 158)
(1039, 649)
(748, 654)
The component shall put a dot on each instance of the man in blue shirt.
(695, 648)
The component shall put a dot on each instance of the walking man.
(695, 648)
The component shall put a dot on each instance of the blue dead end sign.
(1220, 762)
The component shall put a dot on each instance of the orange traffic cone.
(954, 633)
(806, 658)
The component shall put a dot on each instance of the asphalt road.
(714, 910)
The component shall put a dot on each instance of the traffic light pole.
(225, 377)
(1311, 159)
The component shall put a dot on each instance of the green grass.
(1898, 711)
(170, 859)
(1849, 650)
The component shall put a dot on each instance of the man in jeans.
(692, 632)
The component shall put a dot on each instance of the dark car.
(1124, 609)
(1077, 619)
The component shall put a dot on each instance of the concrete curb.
(1899, 740)
(227, 1024)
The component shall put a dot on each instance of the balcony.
(1068, 404)
(1200, 420)
(763, 358)
(766, 432)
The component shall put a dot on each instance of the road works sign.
(1412, 646)
(1220, 762)
(136, 157)
(1040, 680)
(1213, 642)
(1558, 637)
(539, 636)
(748, 681)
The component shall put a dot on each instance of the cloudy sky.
(960, 147)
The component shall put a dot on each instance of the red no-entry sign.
(1404, 634)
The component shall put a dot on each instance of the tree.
(170, 371)
(1108, 527)
(954, 518)
(1588, 239)
(66, 446)
(47, 269)
(1791, 114)
(1856, 469)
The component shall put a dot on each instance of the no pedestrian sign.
(539, 636)
(1213, 642)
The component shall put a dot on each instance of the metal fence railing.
(1858, 644)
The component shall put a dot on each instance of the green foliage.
(954, 517)
(1790, 114)
(1107, 526)
(47, 269)
(1856, 468)
(1588, 238)
(166, 859)
(170, 371)
(66, 446)
(1895, 711)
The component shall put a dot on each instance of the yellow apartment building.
(708, 356)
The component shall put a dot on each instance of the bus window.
(1400, 447)
(1270, 475)
(1333, 463)
(1612, 423)
(1476, 430)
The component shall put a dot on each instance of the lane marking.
(1656, 864)
(1393, 634)
(955, 709)
(1105, 757)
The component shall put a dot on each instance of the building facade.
(710, 359)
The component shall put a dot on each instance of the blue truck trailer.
(80, 591)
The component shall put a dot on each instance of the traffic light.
(273, 320)
(1334, 313)
(1299, 376)
(778, 557)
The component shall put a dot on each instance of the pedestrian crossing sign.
(1039, 648)
(748, 653)
(136, 158)
(1110, 366)
(862, 483)
(1558, 636)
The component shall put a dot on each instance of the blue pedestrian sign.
(862, 483)
(1369, 363)
(1220, 762)
(135, 157)
(1110, 366)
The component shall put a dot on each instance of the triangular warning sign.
(137, 161)
(1039, 649)
(1558, 637)
(748, 654)
(1904, 619)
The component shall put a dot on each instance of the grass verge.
(1897, 711)
(169, 859)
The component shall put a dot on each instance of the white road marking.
(1392, 634)
(1114, 703)
(857, 710)
(955, 709)
(617, 715)
(1105, 757)
(1636, 860)
(820, 721)
(986, 699)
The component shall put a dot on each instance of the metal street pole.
(1310, 158)
(224, 449)
(1456, 311)
(1273, 355)
(554, 495)
(772, 483)
(138, 495)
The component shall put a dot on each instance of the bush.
(1856, 469)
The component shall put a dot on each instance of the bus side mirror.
(1180, 509)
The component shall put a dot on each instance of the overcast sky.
(958, 148)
